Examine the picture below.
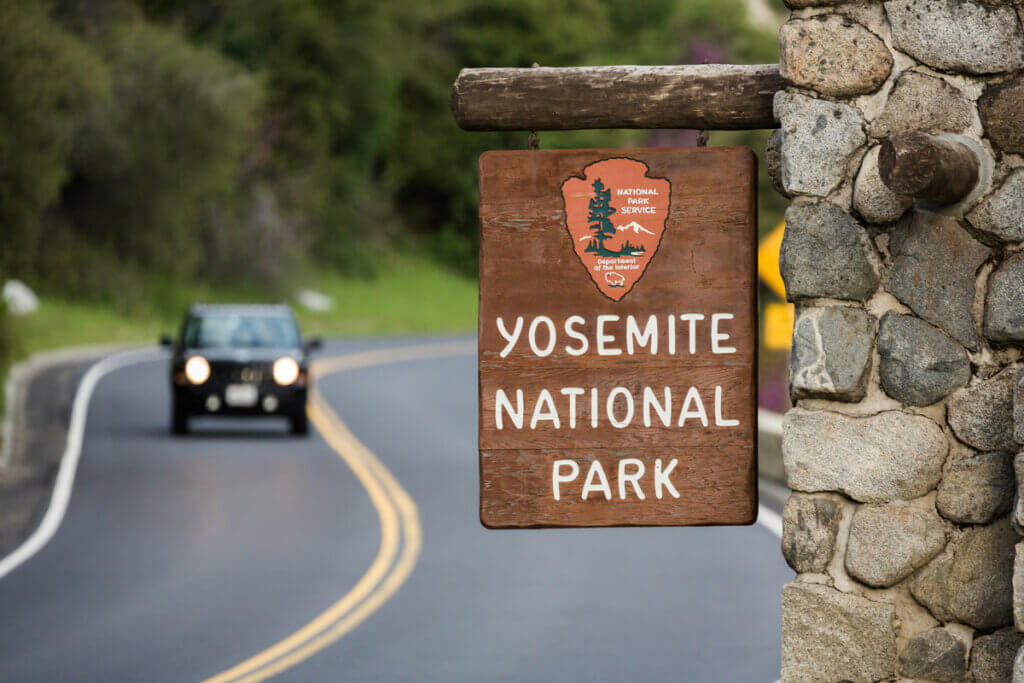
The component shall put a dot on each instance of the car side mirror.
(314, 344)
(166, 341)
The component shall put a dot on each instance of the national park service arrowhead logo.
(615, 215)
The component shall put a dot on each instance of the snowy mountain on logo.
(635, 227)
(615, 261)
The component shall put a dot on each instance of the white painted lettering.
(717, 336)
(596, 472)
(510, 338)
(649, 335)
(630, 477)
(719, 420)
(572, 393)
(610, 406)
(604, 339)
(661, 479)
(693, 396)
(570, 324)
(537, 322)
(558, 478)
(501, 400)
(664, 411)
(545, 410)
(692, 319)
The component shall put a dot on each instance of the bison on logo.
(615, 215)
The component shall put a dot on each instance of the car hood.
(243, 355)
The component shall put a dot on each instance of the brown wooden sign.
(618, 337)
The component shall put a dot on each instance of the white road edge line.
(770, 422)
(769, 519)
(76, 434)
(69, 461)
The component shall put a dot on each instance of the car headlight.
(286, 371)
(197, 370)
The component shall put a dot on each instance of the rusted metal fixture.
(932, 167)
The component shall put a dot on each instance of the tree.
(156, 165)
(48, 78)
(600, 211)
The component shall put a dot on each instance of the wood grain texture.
(707, 96)
(713, 487)
(705, 263)
(656, 376)
(916, 164)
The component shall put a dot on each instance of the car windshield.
(237, 330)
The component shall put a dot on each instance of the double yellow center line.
(400, 536)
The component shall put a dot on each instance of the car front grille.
(249, 373)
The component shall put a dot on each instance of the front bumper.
(210, 398)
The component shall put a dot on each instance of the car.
(239, 360)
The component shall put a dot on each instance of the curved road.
(179, 558)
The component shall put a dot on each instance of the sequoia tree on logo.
(600, 211)
(620, 188)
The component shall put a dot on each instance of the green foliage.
(47, 78)
(391, 303)
(161, 153)
(154, 152)
(358, 96)
(328, 107)
(241, 139)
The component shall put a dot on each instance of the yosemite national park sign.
(617, 337)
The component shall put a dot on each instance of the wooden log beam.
(931, 167)
(707, 96)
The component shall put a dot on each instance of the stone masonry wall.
(909, 330)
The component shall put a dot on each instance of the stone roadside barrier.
(909, 403)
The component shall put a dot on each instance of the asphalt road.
(179, 558)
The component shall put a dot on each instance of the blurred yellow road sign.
(768, 260)
(778, 326)
(778, 317)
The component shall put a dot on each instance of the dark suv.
(239, 360)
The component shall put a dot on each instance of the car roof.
(240, 309)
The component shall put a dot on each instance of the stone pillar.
(908, 334)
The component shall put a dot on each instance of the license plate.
(241, 395)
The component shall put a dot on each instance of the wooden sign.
(617, 340)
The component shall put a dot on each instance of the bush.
(48, 78)
(156, 164)
(236, 140)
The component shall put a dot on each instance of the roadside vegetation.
(393, 302)
(153, 153)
